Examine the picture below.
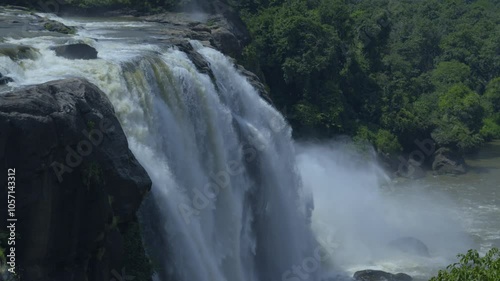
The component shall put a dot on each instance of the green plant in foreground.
(472, 267)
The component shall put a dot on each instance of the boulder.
(447, 161)
(378, 275)
(17, 52)
(256, 83)
(55, 26)
(226, 42)
(76, 51)
(77, 183)
(411, 169)
(410, 245)
(4, 79)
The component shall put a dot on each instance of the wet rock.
(447, 161)
(410, 169)
(378, 275)
(226, 42)
(256, 83)
(76, 51)
(4, 79)
(79, 183)
(222, 27)
(198, 60)
(410, 245)
(18, 52)
(55, 26)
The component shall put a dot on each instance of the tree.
(472, 266)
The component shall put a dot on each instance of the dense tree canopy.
(389, 71)
(380, 70)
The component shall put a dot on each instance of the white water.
(226, 202)
(356, 201)
(231, 196)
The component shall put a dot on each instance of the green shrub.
(491, 128)
(472, 267)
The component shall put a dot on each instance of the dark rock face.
(256, 83)
(410, 245)
(221, 28)
(447, 161)
(378, 275)
(76, 51)
(78, 185)
(4, 80)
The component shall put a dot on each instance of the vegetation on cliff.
(473, 267)
(388, 71)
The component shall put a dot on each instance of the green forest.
(387, 71)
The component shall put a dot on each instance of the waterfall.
(227, 202)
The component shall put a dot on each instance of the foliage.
(404, 69)
(473, 267)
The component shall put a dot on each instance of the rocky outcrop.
(223, 30)
(78, 186)
(411, 169)
(55, 26)
(18, 22)
(378, 275)
(204, 67)
(4, 79)
(447, 161)
(76, 51)
(256, 83)
(410, 245)
(17, 52)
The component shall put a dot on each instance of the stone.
(18, 52)
(226, 42)
(410, 245)
(411, 169)
(55, 26)
(378, 275)
(76, 51)
(77, 182)
(4, 79)
(447, 161)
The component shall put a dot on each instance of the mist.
(364, 210)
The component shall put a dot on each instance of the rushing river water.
(365, 210)
(183, 127)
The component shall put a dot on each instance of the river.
(365, 210)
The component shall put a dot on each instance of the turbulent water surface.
(233, 196)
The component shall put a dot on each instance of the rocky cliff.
(77, 184)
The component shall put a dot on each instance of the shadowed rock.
(378, 275)
(4, 79)
(447, 161)
(410, 245)
(55, 26)
(17, 52)
(76, 51)
(78, 186)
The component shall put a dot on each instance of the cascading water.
(227, 202)
(231, 199)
